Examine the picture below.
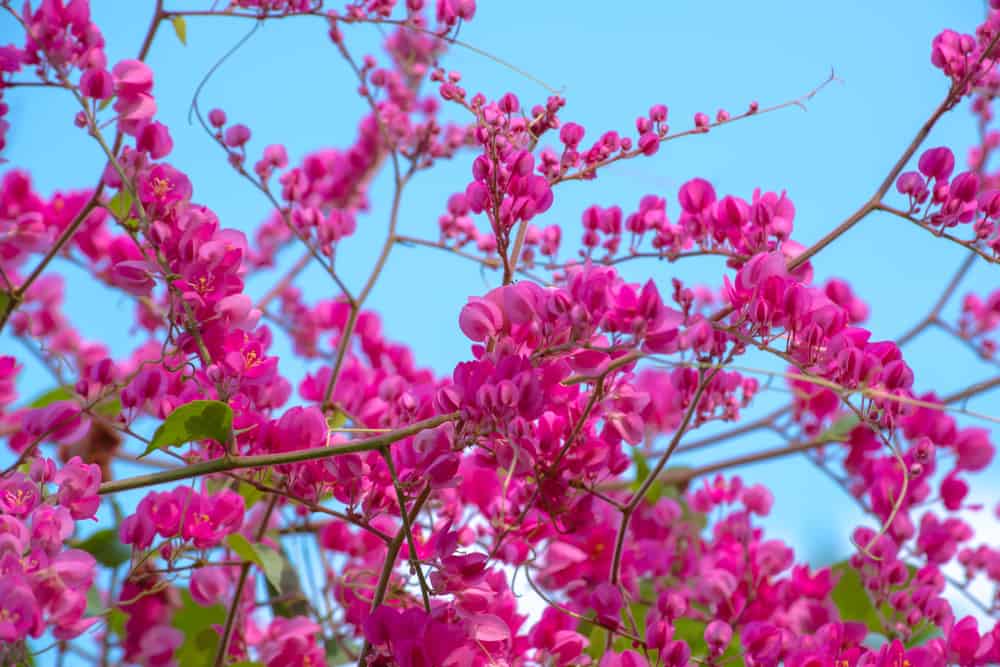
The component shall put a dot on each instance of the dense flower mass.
(541, 464)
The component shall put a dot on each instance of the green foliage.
(52, 396)
(121, 205)
(110, 407)
(197, 420)
(270, 562)
(201, 640)
(105, 546)
(840, 429)
(251, 494)
(855, 604)
(336, 420)
(851, 598)
(291, 600)
(180, 28)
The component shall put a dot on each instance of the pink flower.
(937, 163)
(133, 276)
(158, 644)
(208, 519)
(237, 135)
(217, 117)
(974, 449)
(20, 616)
(480, 319)
(18, 495)
(154, 138)
(162, 189)
(78, 484)
(133, 86)
(97, 83)
(209, 585)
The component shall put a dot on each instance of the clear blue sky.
(612, 60)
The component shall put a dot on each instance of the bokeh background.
(611, 61)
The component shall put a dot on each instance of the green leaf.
(659, 488)
(840, 429)
(241, 547)
(291, 600)
(693, 633)
(200, 639)
(180, 27)
(4, 301)
(853, 601)
(116, 621)
(109, 408)
(197, 420)
(95, 605)
(52, 396)
(121, 205)
(247, 663)
(270, 562)
(105, 546)
(334, 656)
(105, 103)
(641, 465)
(851, 598)
(251, 494)
(924, 633)
(336, 420)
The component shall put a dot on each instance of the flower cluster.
(45, 582)
(370, 509)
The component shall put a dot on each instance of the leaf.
(334, 656)
(241, 547)
(641, 465)
(109, 408)
(200, 638)
(840, 429)
(851, 598)
(251, 494)
(336, 420)
(180, 27)
(247, 663)
(270, 562)
(121, 205)
(105, 546)
(116, 621)
(691, 632)
(197, 420)
(105, 103)
(95, 605)
(4, 301)
(52, 396)
(924, 633)
(659, 488)
(288, 600)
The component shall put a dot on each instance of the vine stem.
(227, 632)
(954, 94)
(935, 310)
(629, 509)
(228, 463)
(407, 531)
(390, 561)
(17, 296)
(940, 233)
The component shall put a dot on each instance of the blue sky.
(611, 62)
